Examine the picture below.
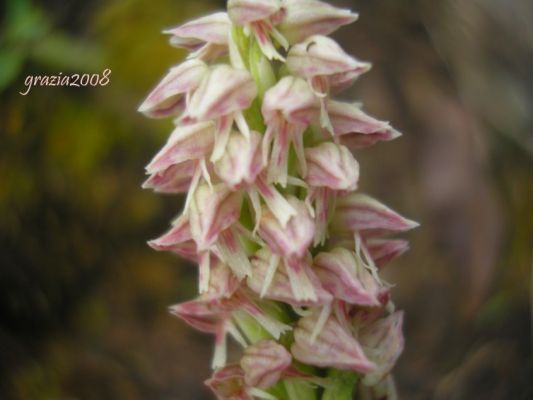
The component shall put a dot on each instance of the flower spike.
(289, 252)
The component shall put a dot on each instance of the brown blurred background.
(83, 300)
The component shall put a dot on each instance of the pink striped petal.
(275, 201)
(357, 129)
(175, 179)
(187, 142)
(222, 282)
(293, 99)
(241, 162)
(305, 18)
(322, 56)
(178, 240)
(242, 12)
(223, 91)
(359, 212)
(199, 314)
(212, 28)
(344, 275)
(232, 252)
(333, 166)
(212, 210)
(333, 347)
(263, 363)
(293, 240)
(168, 97)
(383, 251)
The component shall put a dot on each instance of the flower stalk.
(288, 250)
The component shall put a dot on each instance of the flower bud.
(305, 18)
(241, 162)
(223, 91)
(357, 129)
(334, 346)
(322, 56)
(212, 210)
(212, 28)
(263, 363)
(187, 142)
(168, 97)
(344, 275)
(359, 212)
(332, 166)
(243, 12)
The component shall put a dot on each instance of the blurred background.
(83, 300)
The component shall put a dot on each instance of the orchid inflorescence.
(288, 251)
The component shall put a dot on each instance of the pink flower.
(345, 276)
(206, 37)
(169, 98)
(291, 244)
(357, 129)
(186, 143)
(260, 17)
(263, 363)
(241, 162)
(212, 211)
(178, 240)
(326, 66)
(290, 241)
(305, 18)
(271, 280)
(212, 314)
(288, 108)
(175, 179)
(359, 212)
(334, 346)
(222, 96)
(323, 62)
(331, 166)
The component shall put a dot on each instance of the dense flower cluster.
(288, 251)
